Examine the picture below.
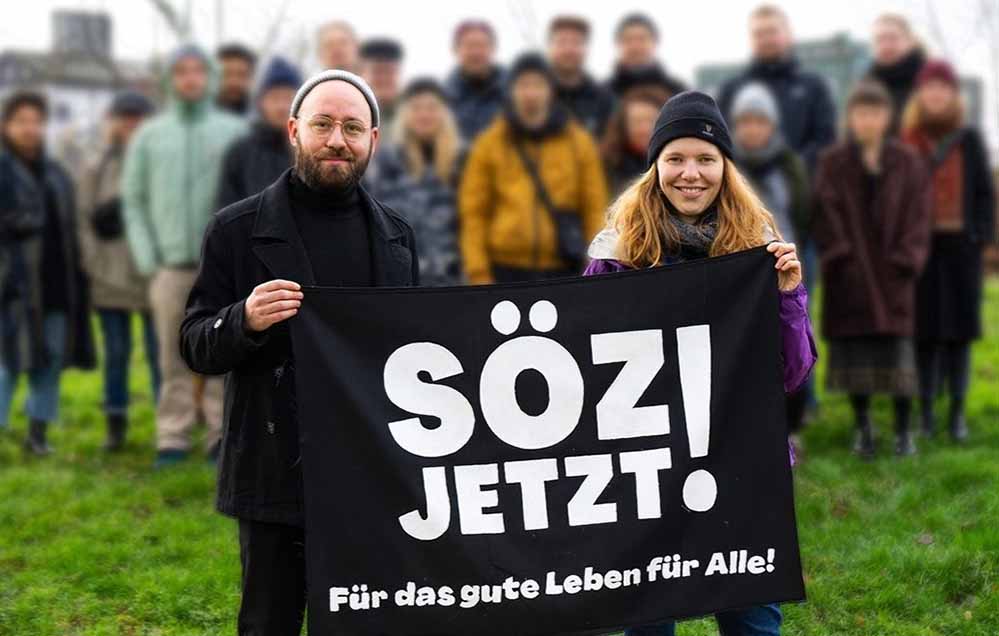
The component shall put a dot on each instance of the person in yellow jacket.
(508, 228)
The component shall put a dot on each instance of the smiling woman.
(692, 203)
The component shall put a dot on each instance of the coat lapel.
(275, 239)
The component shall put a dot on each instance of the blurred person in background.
(949, 294)
(338, 47)
(636, 40)
(589, 102)
(118, 291)
(533, 191)
(898, 58)
(381, 67)
(44, 321)
(807, 114)
(252, 162)
(780, 178)
(418, 173)
(169, 190)
(475, 87)
(872, 226)
(238, 64)
(807, 111)
(626, 141)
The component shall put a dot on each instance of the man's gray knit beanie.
(343, 76)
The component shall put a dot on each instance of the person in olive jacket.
(315, 225)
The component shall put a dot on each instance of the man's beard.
(331, 178)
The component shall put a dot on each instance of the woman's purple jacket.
(797, 341)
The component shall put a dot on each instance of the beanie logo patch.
(707, 130)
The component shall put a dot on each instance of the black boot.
(864, 443)
(928, 426)
(904, 444)
(117, 426)
(957, 425)
(35, 443)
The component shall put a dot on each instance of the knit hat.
(527, 63)
(279, 72)
(755, 98)
(337, 75)
(937, 70)
(381, 49)
(130, 103)
(690, 114)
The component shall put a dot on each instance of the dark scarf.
(695, 239)
(900, 76)
(781, 67)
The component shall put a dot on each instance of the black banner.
(545, 458)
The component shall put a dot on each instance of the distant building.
(841, 61)
(78, 76)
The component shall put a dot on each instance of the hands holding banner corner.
(272, 302)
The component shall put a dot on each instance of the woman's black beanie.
(690, 114)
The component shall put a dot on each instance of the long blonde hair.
(446, 143)
(645, 235)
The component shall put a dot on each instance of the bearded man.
(314, 226)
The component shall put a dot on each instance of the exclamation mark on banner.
(693, 348)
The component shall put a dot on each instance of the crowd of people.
(203, 216)
(504, 174)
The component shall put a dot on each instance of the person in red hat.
(949, 293)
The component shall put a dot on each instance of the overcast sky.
(693, 32)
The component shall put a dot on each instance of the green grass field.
(101, 545)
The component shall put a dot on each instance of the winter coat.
(590, 103)
(431, 208)
(807, 111)
(252, 162)
(474, 105)
(22, 224)
(871, 252)
(170, 181)
(503, 220)
(246, 244)
(115, 281)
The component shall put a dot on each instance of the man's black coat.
(246, 244)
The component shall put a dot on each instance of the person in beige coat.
(117, 289)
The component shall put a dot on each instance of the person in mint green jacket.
(169, 183)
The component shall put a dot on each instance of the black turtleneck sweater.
(334, 231)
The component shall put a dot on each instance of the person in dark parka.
(315, 225)
(898, 58)
(807, 111)
(589, 102)
(636, 38)
(253, 161)
(872, 226)
(475, 87)
(949, 295)
(44, 309)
